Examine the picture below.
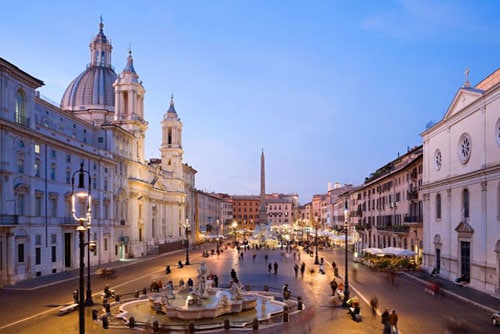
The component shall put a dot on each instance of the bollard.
(156, 326)
(117, 298)
(105, 323)
(191, 327)
(285, 313)
(255, 323)
(300, 306)
(136, 294)
(94, 314)
(226, 324)
(107, 307)
(266, 288)
(131, 322)
(247, 287)
(75, 296)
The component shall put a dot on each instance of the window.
(105, 244)
(36, 168)
(38, 255)
(53, 206)
(20, 253)
(53, 239)
(37, 148)
(54, 253)
(20, 165)
(464, 148)
(20, 107)
(38, 239)
(53, 154)
(38, 205)
(438, 206)
(20, 204)
(68, 176)
(465, 203)
(68, 158)
(53, 172)
(438, 159)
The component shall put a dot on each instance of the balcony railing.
(6, 220)
(413, 219)
(394, 228)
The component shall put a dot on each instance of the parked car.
(495, 318)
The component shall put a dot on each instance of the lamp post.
(82, 194)
(346, 281)
(234, 225)
(186, 233)
(217, 238)
(316, 259)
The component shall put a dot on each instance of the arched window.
(37, 168)
(465, 203)
(20, 107)
(438, 206)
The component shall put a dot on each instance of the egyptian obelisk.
(262, 208)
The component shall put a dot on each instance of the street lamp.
(82, 195)
(217, 238)
(316, 260)
(186, 233)
(346, 281)
(234, 225)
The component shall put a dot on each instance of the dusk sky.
(330, 90)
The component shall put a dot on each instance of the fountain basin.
(217, 303)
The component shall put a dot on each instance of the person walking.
(276, 268)
(385, 322)
(302, 269)
(393, 322)
(374, 305)
(269, 267)
(296, 269)
(333, 285)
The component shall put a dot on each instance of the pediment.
(159, 185)
(464, 97)
(464, 227)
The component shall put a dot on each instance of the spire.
(130, 63)
(171, 108)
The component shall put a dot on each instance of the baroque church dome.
(93, 88)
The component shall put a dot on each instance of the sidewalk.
(486, 301)
(48, 280)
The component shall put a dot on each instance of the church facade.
(461, 187)
(137, 205)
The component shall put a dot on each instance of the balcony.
(394, 228)
(9, 220)
(412, 219)
(412, 193)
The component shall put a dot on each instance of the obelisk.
(262, 208)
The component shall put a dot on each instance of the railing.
(394, 228)
(413, 219)
(6, 220)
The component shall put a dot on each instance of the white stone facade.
(461, 187)
(137, 205)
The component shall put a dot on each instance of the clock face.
(437, 159)
(464, 148)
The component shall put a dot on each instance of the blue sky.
(331, 90)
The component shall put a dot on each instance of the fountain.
(202, 302)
